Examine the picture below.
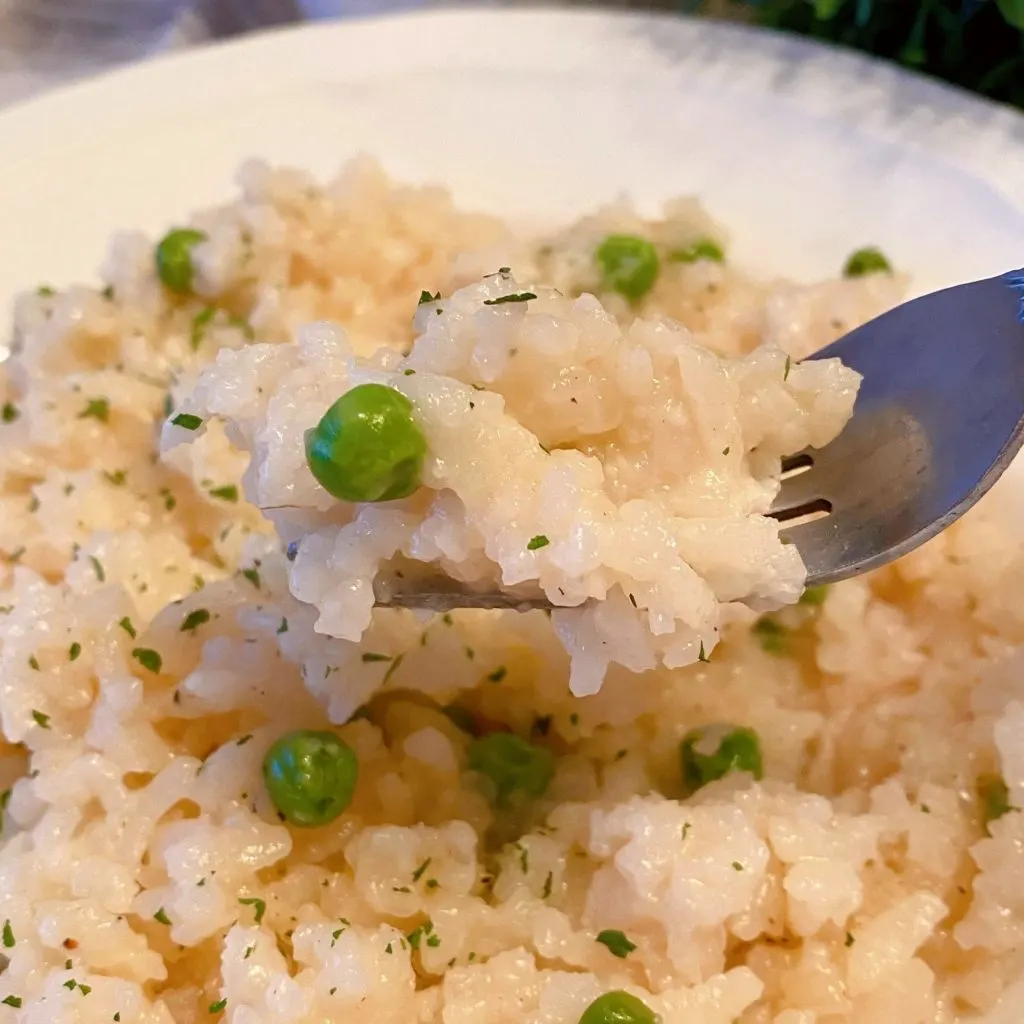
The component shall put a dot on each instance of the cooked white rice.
(144, 874)
(641, 461)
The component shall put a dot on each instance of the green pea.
(702, 249)
(618, 1008)
(512, 764)
(772, 634)
(712, 752)
(630, 265)
(310, 776)
(174, 258)
(367, 447)
(866, 261)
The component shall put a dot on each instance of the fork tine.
(800, 490)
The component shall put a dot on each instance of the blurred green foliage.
(976, 44)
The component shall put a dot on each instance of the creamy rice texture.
(641, 462)
(154, 641)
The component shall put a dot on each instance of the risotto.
(237, 790)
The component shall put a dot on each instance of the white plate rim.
(980, 137)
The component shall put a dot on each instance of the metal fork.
(939, 417)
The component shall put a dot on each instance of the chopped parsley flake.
(33, 662)
(96, 409)
(148, 658)
(161, 916)
(74, 651)
(43, 721)
(117, 478)
(200, 322)
(253, 576)
(187, 421)
(14, 1001)
(433, 941)
(701, 654)
(574, 719)
(540, 541)
(789, 366)
(995, 799)
(418, 873)
(393, 668)
(194, 620)
(97, 568)
(242, 740)
(737, 866)
(514, 297)
(419, 932)
(371, 656)
(849, 940)
(814, 596)
(229, 492)
(126, 625)
(548, 883)
(9, 940)
(249, 950)
(425, 296)
(259, 905)
(498, 674)
(9, 413)
(617, 943)
(388, 949)
(84, 989)
(218, 1006)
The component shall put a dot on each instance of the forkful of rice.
(939, 416)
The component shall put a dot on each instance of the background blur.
(976, 44)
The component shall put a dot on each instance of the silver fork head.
(939, 417)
